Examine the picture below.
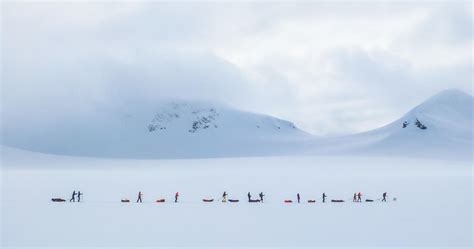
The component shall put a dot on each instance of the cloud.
(333, 68)
(81, 83)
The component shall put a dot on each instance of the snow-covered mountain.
(206, 119)
(441, 126)
(176, 129)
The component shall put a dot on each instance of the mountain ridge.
(440, 126)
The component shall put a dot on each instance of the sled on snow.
(233, 200)
(369, 200)
(160, 200)
(207, 200)
(58, 200)
(125, 200)
(288, 201)
(254, 200)
(337, 200)
(311, 201)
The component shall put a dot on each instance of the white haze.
(332, 68)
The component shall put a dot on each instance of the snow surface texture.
(433, 207)
(186, 129)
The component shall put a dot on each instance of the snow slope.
(180, 129)
(184, 129)
(447, 117)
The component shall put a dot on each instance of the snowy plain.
(433, 207)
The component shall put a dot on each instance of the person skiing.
(73, 198)
(384, 195)
(261, 196)
(324, 197)
(355, 197)
(224, 197)
(139, 196)
(79, 196)
(359, 197)
(249, 196)
(176, 197)
(298, 197)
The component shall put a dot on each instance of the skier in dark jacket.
(224, 197)
(261, 196)
(384, 195)
(73, 198)
(298, 197)
(359, 197)
(139, 196)
(324, 197)
(249, 196)
(355, 197)
(176, 197)
(79, 196)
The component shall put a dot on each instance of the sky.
(331, 68)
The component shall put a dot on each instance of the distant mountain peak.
(449, 98)
(451, 92)
(439, 127)
(197, 117)
(448, 106)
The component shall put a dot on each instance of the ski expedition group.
(356, 198)
(73, 198)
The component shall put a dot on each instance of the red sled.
(288, 201)
(311, 201)
(207, 200)
(58, 200)
(125, 200)
(160, 200)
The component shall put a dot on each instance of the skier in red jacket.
(359, 197)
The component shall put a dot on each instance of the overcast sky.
(332, 68)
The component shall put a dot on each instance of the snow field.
(434, 206)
